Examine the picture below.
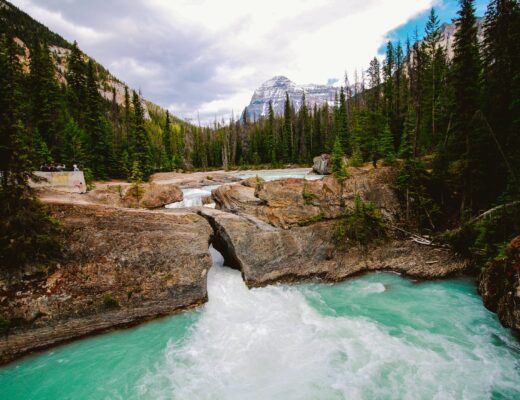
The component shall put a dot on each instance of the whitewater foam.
(270, 343)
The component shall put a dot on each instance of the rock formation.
(499, 286)
(121, 267)
(283, 231)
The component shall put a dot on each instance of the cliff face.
(499, 286)
(121, 267)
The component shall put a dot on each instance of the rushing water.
(378, 336)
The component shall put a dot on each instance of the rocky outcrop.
(499, 286)
(321, 164)
(151, 195)
(266, 254)
(292, 202)
(121, 267)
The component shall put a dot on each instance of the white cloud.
(207, 56)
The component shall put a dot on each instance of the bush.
(109, 302)
(363, 225)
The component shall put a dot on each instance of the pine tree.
(287, 132)
(141, 145)
(304, 131)
(98, 129)
(167, 141)
(337, 156)
(387, 145)
(342, 122)
(76, 83)
(75, 148)
(465, 81)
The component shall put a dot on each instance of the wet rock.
(499, 286)
(121, 267)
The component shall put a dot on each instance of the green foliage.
(337, 156)
(414, 187)
(136, 178)
(387, 145)
(318, 218)
(363, 225)
(5, 325)
(485, 239)
(109, 302)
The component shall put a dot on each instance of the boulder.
(322, 165)
(499, 286)
(121, 267)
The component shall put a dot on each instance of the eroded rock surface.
(122, 267)
(292, 202)
(267, 254)
(499, 286)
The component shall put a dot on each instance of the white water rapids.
(270, 343)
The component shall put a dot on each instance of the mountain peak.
(275, 89)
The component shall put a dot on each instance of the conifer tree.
(167, 141)
(465, 81)
(141, 145)
(287, 133)
(76, 83)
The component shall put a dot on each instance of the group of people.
(57, 167)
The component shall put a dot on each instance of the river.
(378, 336)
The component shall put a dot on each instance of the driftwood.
(416, 238)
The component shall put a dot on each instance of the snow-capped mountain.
(275, 88)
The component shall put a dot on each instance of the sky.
(202, 59)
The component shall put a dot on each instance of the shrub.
(109, 301)
(364, 224)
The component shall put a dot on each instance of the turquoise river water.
(378, 336)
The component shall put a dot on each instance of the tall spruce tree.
(141, 143)
(466, 89)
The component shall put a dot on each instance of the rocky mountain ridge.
(25, 30)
